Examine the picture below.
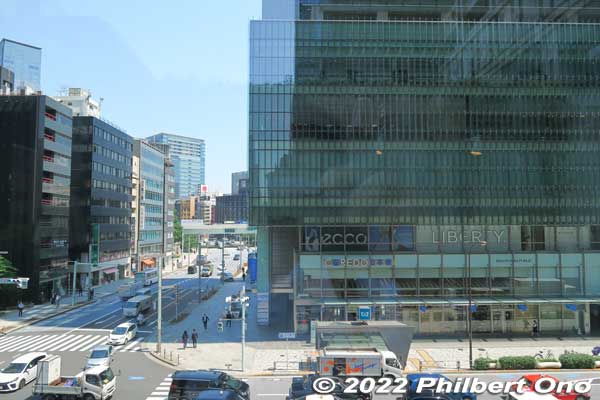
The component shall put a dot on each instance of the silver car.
(99, 355)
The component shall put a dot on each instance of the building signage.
(364, 313)
(357, 261)
(473, 236)
(507, 260)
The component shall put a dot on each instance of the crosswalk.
(162, 390)
(58, 342)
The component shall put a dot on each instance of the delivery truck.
(359, 363)
(96, 383)
(136, 305)
(129, 290)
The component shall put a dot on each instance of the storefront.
(422, 276)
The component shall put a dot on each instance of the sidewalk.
(10, 320)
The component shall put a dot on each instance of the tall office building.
(100, 223)
(35, 171)
(149, 205)
(239, 182)
(410, 157)
(188, 157)
(25, 61)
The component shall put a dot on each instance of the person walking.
(57, 300)
(228, 316)
(534, 328)
(20, 306)
(184, 339)
(244, 275)
(205, 321)
(194, 337)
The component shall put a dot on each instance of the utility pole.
(199, 270)
(244, 302)
(74, 283)
(223, 260)
(159, 313)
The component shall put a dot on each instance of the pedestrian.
(89, 294)
(53, 298)
(244, 275)
(534, 328)
(229, 317)
(57, 300)
(20, 306)
(205, 321)
(184, 339)
(92, 294)
(194, 337)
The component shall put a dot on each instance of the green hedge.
(482, 363)
(517, 362)
(577, 361)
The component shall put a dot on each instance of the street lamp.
(470, 299)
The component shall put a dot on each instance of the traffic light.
(220, 326)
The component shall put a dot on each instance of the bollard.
(458, 365)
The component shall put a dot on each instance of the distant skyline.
(159, 68)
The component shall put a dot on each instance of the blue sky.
(161, 66)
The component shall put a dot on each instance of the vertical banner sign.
(95, 245)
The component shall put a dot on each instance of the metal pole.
(74, 282)
(470, 312)
(243, 295)
(159, 313)
(176, 302)
(223, 260)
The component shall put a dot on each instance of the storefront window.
(304, 316)
(385, 312)
(379, 238)
(333, 282)
(525, 314)
(481, 319)
(550, 318)
(430, 275)
(334, 313)
(403, 238)
(408, 315)
(357, 282)
(525, 282)
(454, 275)
(572, 280)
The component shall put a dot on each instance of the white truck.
(97, 383)
(129, 290)
(136, 305)
(358, 362)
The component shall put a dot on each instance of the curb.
(35, 321)
(502, 371)
(163, 360)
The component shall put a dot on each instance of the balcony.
(50, 116)
(49, 159)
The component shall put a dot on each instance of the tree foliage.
(7, 270)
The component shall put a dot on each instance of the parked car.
(123, 333)
(192, 269)
(413, 382)
(236, 257)
(20, 371)
(531, 379)
(99, 355)
(189, 384)
(302, 387)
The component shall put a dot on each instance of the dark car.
(303, 386)
(192, 269)
(218, 394)
(188, 384)
(413, 382)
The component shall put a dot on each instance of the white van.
(136, 305)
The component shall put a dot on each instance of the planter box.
(597, 364)
(548, 364)
(492, 365)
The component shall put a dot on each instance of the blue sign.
(364, 313)
(253, 266)
(423, 308)
(136, 378)
(571, 307)
(522, 307)
(473, 308)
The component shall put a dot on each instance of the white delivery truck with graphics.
(359, 363)
(96, 383)
(136, 305)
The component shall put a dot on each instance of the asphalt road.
(73, 334)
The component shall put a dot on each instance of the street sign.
(287, 335)
(364, 313)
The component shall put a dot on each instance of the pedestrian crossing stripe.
(62, 343)
(162, 390)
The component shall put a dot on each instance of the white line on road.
(20, 340)
(101, 340)
(272, 394)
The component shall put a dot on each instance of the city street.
(71, 335)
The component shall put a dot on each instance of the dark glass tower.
(407, 156)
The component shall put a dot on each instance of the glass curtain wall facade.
(25, 61)
(444, 129)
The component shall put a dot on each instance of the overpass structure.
(194, 227)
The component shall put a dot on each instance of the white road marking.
(100, 340)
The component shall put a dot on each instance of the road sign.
(364, 313)
(287, 335)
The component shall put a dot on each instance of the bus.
(147, 277)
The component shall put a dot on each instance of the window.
(92, 380)
(533, 238)
(595, 237)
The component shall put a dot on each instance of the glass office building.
(188, 156)
(24, 61)
(408, 157)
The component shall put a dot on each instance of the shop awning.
(148, 261)
(110, 271)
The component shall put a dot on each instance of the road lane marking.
(76, 342)
(19, 341)
(13, 339)
(85, 343)
(101, 340)
(30, 346)
(66, 340)
(132, 344)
